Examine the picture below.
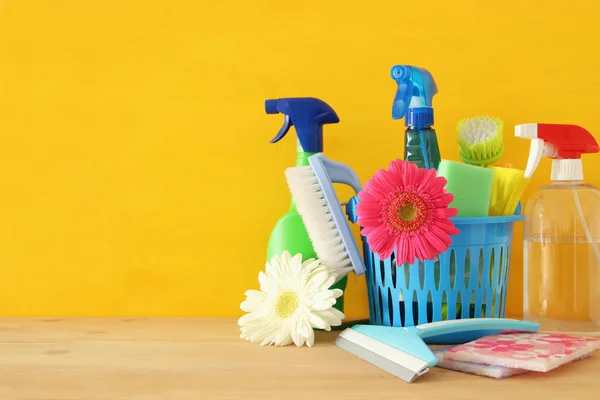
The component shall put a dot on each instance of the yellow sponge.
(470, 185)
(507, 187)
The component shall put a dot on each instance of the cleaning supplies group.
(406, 212)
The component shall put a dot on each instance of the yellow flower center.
(404, 212)
(408, 212)
(287, 303)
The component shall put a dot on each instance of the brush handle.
(328, 172)
(338, 172)
(465, 330)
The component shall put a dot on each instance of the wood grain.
(181, 359)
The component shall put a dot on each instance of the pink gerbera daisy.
(405, 208)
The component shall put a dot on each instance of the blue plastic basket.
(469, 280)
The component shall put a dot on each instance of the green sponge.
(470, 185)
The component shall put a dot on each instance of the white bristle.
(477, 130)
(319, 223)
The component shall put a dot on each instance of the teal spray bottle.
(413, 102)
(307, 115)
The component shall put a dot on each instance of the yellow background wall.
(136, 172)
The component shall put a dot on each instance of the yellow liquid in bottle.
(559, 281)
(562, 272)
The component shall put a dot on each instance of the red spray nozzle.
(570, 141)
(563, 143)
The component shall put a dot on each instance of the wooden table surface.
(194, 359)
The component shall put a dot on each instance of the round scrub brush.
(480, 140)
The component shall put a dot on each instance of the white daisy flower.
(294, 298)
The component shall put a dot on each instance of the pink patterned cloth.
(531, 351)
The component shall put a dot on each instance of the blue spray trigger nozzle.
(271, 106)
(287, 124)
(307, 115)
(414, 96)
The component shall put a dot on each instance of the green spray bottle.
(307, 115)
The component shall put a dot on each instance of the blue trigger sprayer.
(413, 102)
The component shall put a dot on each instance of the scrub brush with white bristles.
(317, 203)
(480, 140)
